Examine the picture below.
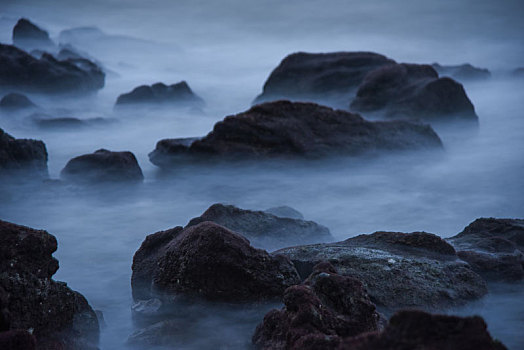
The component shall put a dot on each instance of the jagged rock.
(320, 77)
(327, 305)
(15, 101)
(103, 166)
(285, 129)
(413, 91)
(28, 36)
(398, 269)
(208, 261)
(264, 230)
(22, 71)
(22, 156)
(462, 72)
(177, 94)
(493, 247)
(30, 299)
(285, 212)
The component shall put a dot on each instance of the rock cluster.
(179, 94)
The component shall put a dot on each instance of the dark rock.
(59, 123)
(14, 101)
(208, 261)
(17, 339)
(60, 317)
(493, 247)
(326, 306)
(285, 212)
(463, 72)
(179, 94)
(284, 129)
(414, 330)
(398, 269)
(22, 156)
(262, 229)
(20, 70)
(321, 77)
(103, 166)
(28, 36)
(413, 91)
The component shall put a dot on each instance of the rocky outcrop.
(413, 330)
(22, 156)
(159, 93)
(22, 71)
(262, 229)
(320, 77)
(493, 247)
(208, 261)
(103, 166)
(326, 307)
(285, 212)
(15, 101)
(463, 72)
(284, 129)
(398, 270)
(28, 36)
(413, 91)
(17, 339)
(30, 299)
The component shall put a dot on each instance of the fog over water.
(225, 51)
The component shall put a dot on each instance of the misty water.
(225, 51)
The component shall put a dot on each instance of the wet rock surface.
(262, 229)
(285, 129)
(463, 72)
(210, 262)
(30, 299)
(413, 91)
(28, 36)
(493, 247)
(21, 156)
(398, 270)
(325, 307)
(160, 93)
(22, 71)
(103, 166)
(15, 101)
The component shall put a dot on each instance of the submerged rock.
(413, 91)
(320, 77)
(462, 72)
(493, 247)
(103, 166)
(285, 129)
(264, 230)
(15, 101)
(22, 156)
(208, 261)
(179, 94)
(399, 270)
(22, 71)
(317, 312)
(30, 299)
(28, 36)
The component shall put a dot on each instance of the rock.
(103, 166)
(320, 77)
(285, 212)
(14, 101)
(413, 330)
(285, 129)
(22, 71)
(208, 261)
(413, 91)
(60, 317)
(59, 123)
(262, 229)
(178, 94)
(399, 270)
(22, 156)
(28, 36)
(327, 305)
(493, 247)
(17, 339)
(463, 72)
(160, 333)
